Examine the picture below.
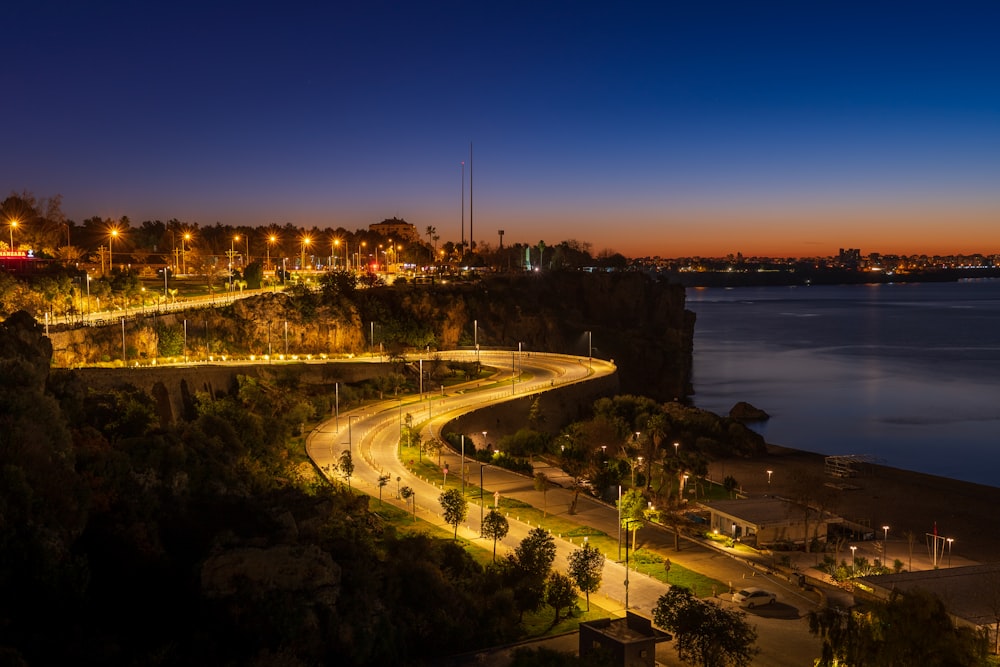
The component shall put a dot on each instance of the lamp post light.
(950, 540)
(854, 562)
(590, 349)
(305, 244)
(769, 473)
(333, 251)
(232, 260)
(627, 527)
(13, 224)
(350, 433)
(186, 238)
(677, 447)
(111, 251)
(270, 241)
(885, 544)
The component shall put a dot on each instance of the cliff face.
(639, 323)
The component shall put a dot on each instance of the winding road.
(372, 435)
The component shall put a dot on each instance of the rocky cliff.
(639, 323)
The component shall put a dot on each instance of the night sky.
(672, 129)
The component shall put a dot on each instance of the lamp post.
(950, 540)
(854, 563)
(232, 260)
(13, 224)
(769, 472)
(184, 240)
(484, 440)
(270, 240)
(333, 253)
(590, 347)
(350, 433)
(677, 447)
(481, 501)
(305, 243)
(111, 251)
(885, 545)
(627, 527)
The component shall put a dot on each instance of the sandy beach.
(880, 495)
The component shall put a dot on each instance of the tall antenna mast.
(472, 236)
(463, 205)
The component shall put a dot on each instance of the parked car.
(753, 597)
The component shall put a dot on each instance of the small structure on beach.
(769, 521)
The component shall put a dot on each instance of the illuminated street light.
(885, 544)
(769, 473)
(232, 260)
(854, 562)
(305, 244)
(13, 225)
(271, 240)
(111, 252)
(184, 239)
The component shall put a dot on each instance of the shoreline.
(906, 501)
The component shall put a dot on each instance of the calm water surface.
(906, 373)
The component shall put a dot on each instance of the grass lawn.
(648, 562)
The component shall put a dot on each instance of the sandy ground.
(878, 496)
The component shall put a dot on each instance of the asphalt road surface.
(372, 435)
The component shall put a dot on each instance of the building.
(768, 521)
(631, 641)
(396, 229)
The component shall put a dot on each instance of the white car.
(753, 597)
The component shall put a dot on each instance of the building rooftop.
(971, 592)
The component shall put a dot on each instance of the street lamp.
(677, 447)
(333, 253)
(590, 346)
(854, 563)
(950, 540)
(628, 525)
(270, 240)
(111, 251)
(13, 224)
(350, 433)
(232, 260)
(484, 440)
(305, 243)
(184, 239)
(885, 544)
(769, 472)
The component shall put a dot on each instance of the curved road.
(372, 435)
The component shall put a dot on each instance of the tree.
(495, 527)
(455, 507)
(542, 483)
(633, 507)
(536, 552)
(705, 633)
(586, 567)
(911, 628)
(346, 465)
(559, 593)
(382, 481)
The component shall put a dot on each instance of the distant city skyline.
(702, 130)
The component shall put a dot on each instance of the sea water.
(907, 374)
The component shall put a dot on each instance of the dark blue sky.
(647, 128)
